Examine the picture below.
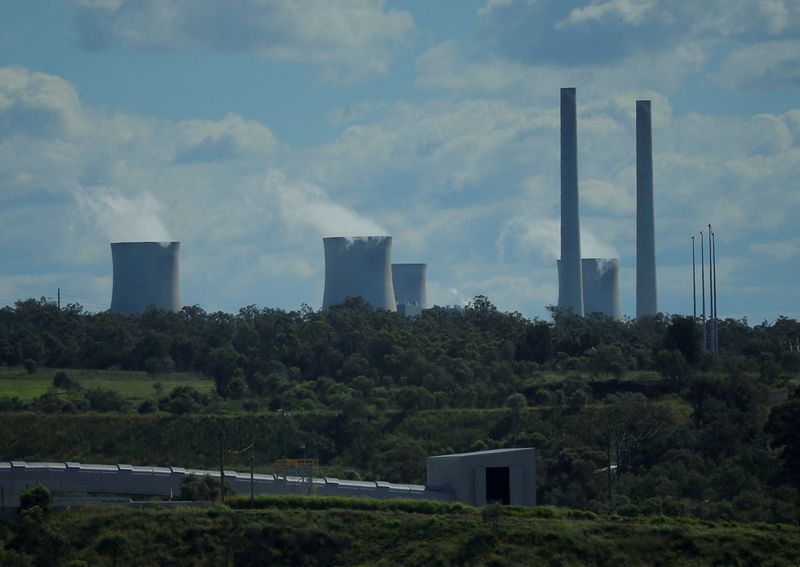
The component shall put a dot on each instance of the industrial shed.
(503, 476)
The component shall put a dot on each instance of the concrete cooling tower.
(601, 286)
(145, 274)
(570, 294)
(409, 284)
(359, 266)
(646, 299)
(600, 278)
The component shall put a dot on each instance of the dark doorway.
(498, 487)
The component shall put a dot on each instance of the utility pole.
(714, 306)
(608, 454)
(252, 482)
(221, 473)
(703, 287)
(59, 298)
(694, 285)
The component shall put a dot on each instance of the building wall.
(145, 274)
(464, 474)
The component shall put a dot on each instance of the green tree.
(39, 496)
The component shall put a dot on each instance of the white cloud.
(38, 105)
(779, 251)
(763, 66)
(630, 12)
(232, 136)
(356, 35)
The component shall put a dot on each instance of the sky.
(249, 129)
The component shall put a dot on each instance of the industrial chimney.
(600, 278)
(409, 284)
(145, 274)
(359, 266)
(646, 299)
(570, 292)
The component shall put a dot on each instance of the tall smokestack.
(646, 299)
(359, 266)
(145, 274)
(570, 285)
(409, 284)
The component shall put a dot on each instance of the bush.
(204, 488)
(62, 381)
(30, 365)
(147, 406)
(105, 400)
(36, 496)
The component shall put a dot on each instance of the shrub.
(64, 382)
(37, 496)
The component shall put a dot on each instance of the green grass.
(133, 385)
(342, 531)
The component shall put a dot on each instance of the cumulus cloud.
(38, 105)
(352, 34)
(204, 140)
(763, 66)
(582, 33)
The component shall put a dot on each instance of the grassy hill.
(316, 531)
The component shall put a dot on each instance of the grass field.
(311, 531)
(135, 386)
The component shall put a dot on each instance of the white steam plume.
(123, 219)
(543, 236)
(307, 205)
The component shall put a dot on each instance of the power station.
(589, 285)
(145, 274)
(359, 266)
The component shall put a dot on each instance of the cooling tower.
(570, 293)
(646, 299)
(145, 274)
(409, 284)
(600, 286)
(359, 266)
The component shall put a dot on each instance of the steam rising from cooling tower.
(409, 284)
(646, 299)
(570, 286)
(145, 274)
(359, 266)
(121, 218)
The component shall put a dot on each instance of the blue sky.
(248, 130)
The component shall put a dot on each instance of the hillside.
(345, 532)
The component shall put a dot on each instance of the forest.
(371, 394)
